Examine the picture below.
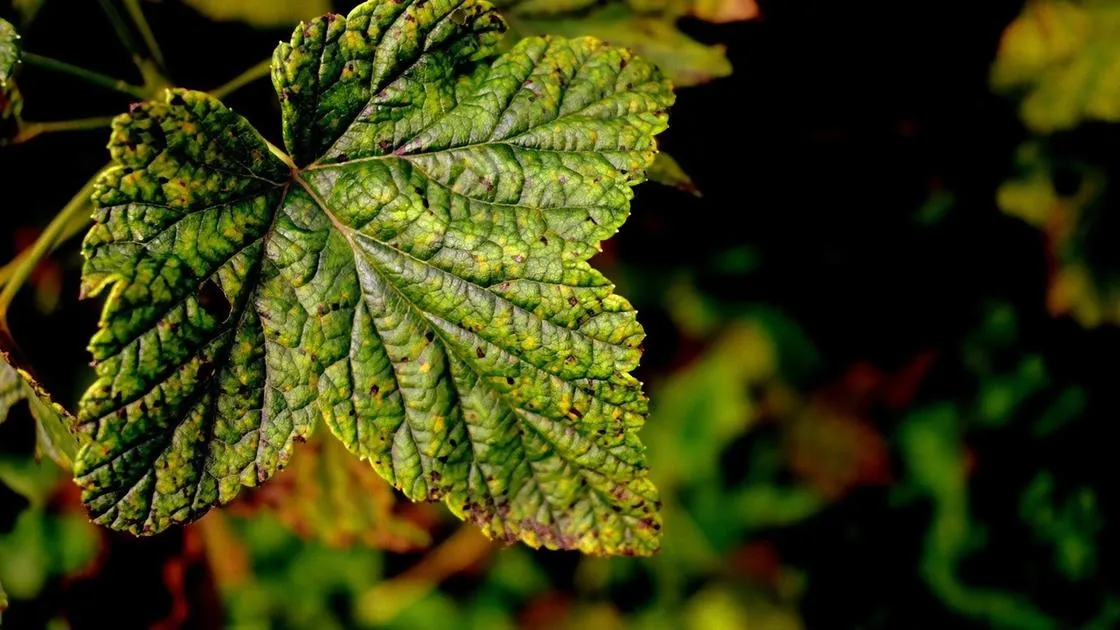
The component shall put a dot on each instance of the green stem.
(278, 152)
(73, 228)
(137, 15)
(120, 27)
(89, 76)
(245, 78)
(66, 223)
(29, 130)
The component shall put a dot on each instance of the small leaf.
(1069, 219)
(666, 171)
(51, 420)
(420, 282)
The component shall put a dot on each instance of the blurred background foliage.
(881, 303)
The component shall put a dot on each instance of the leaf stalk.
(258, 71)
(88, 76)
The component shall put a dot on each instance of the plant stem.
(123, 34)
(29, 130)
(278, 152)
(245, 78)
(61, 226)
(89, 76)
(137, 15)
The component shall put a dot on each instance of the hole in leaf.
(17, 433)
(213, 301)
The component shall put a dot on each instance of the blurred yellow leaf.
(718, 608)
(330, 496)
(1063, 58)
(262, 13)
(1032, 197)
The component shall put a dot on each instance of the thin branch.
(65, 224)
(120, 27)
(258, 71)
(29, 130)
(89, 76)
(137, 15)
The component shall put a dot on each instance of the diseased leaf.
(1062, 57)
(649, 28)
(261, 13)
(419, 281)
(11, 103)
(51, 420)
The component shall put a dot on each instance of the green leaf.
(11, 103)
(648, 28)
(420, 283)
(51, 420)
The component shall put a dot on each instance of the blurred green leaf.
(930, 445)
(294, 583)
(47, 541)
(701, 408)
(1070, 526)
